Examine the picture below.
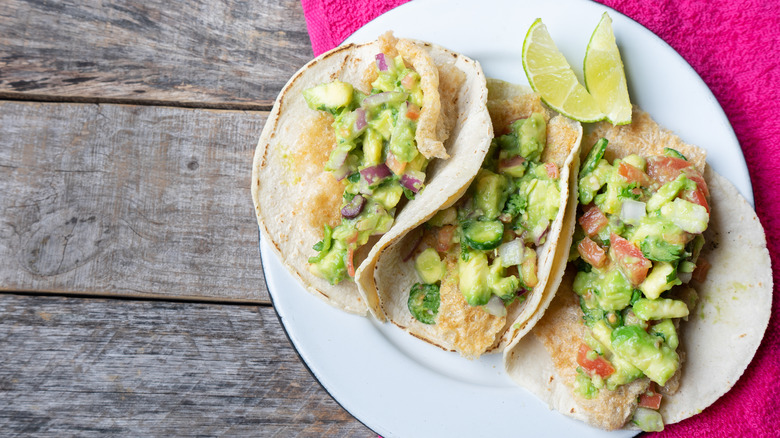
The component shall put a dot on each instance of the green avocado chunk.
(660, 308)
(648, 420)
(489, 193)
(658, 362)
(611, 289)
(532, 136)
(330, 97)
(665, 329)
(429, 266)
(473, 282)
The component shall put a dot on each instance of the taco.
(469, 277)
(667, 295)
(361, 140)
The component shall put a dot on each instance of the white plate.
(402, 387)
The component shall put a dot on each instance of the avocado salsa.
(494, 228)
(375, 156)
(636, 246)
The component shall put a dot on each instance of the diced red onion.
(354, 207)
(381, 63)
(375, 100)
(360, 119)
(495, 307)
(632, 211)
(413, 180)
(375, 173)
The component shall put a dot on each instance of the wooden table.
(133, 301)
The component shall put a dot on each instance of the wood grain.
(134, 368)
(204, 53)
(129, 200)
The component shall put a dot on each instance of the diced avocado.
(423, 302)
(429, 266)
(692, 218)
(610, 201)
(473, 281)
(665, 329)
(648, 420)
(323, 246)
(489, 193)
(636, 161)
(330, 97)
(583, 385)
(332, 267)
(483, 235)
(667, 192)
(448, 216)
(657, 249)
(591, 183)
(382, 123)
(660, 308)
(532, 136)
(611, 288)
(402, 143)
(543, 198)
(639, 348)
(594, 156)
(657, 226)
(501, 285)
(660, 279)
(624, 371)
(388, 194)
(372, 148)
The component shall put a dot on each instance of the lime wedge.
(551, 76)
(604, 75)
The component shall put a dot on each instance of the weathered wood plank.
(91, 367)
(128, 200)
(218, 54)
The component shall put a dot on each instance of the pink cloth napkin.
(734, 46)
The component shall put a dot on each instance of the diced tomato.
(696, 177)
(350, 262)
(412, 111)
(630, 259)
(444, 238)
(664, 169)
(701, 270)
(396, 166)
(591, 252)
(696, 197)
(633, 174)
(650, 399)
(599, 366)
(408, 81)
(593, 221)
(552, 170)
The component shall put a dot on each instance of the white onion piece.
(495, 307)
(632, 211)
(511, 253)
(685, 277)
